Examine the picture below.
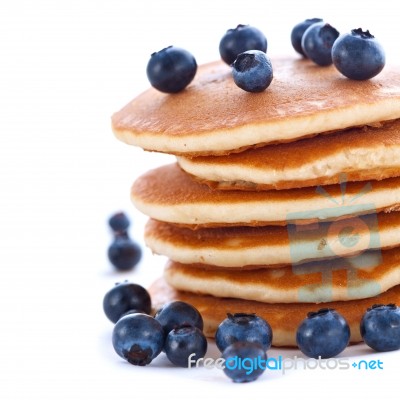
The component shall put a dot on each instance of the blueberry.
(138, 338)
(171, 69)
(123, 253)
(185, 345)
(317, 42)
(358, 55)
(324, 334)
(298, 31)
(124, 297)
(244, 361)
(119, 222)
(380, 327)
(252, 71)
(177, 314)
(243, 328)
(239, 40)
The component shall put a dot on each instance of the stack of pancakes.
(281, 202)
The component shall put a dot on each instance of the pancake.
(168, 194)
(283, 318)
(272, 246)
(359, 153)
(341, 279)
(214, 116)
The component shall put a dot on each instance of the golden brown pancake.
(340, 279)
(168, 194)
(357, 154)
(283, 318)
(273, 246)
(213, 116)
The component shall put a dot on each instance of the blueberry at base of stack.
(283, 318)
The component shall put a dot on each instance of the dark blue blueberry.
(171, 69)
(380, 327)
(123, 253)
(239, 40)
(177, 314)
(358, 55)
(185, 345)
(324, 334)
(298, 31)
(244, 361)
(119, 222)
(138, 338)
(252, 71)
(317, 42)
(243, 328)
(124, 297)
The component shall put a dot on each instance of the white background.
(65, 67)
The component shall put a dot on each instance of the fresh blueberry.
(123, 253)
(119, 222)
(185, 345)
(380, 327)
(138, 338)
(239, 40)
(252, 71)
(124, 297)
(324, 334)
(171, 69)
(317, 42)
(298, 31)
(177, 314)
(243, 328)
(244, 361)
(358, 55)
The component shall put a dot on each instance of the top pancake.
(213, 116)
